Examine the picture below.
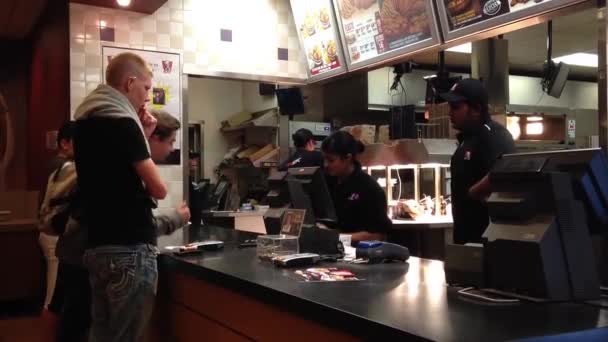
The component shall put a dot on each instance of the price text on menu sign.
(318, 34)
(374, 27)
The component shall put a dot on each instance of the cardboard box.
(261, 153)
(19, 205)
(364, 133)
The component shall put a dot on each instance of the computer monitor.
(308, 190)
(543, 208)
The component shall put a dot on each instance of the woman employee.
(359, 201)
(305, 156)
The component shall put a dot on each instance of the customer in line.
(118, 183)
(60, 174)
(75, 316)
(359, 201)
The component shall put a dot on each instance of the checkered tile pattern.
(192, 28)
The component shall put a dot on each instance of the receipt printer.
(380, 251)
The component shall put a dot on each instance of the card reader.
(380, 251)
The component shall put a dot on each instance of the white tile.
(77, 73)
(77, 59)
(92, 47)
(91, 86)
(189, 44)
(121, 22)
(177, 15)
(77, 30)
(93, 75)
(177, 28)
(91, 17)
(176, 4)
(77, 45)
(163, 13)
(202, 58)
(78, 89)
(190, 17)
(149, 24)
(136, 38)
(163, 41)
(189, 4)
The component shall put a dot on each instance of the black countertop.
(397, 299)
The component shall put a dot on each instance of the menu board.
(318, 34)
(373, 28)
(463, 13)
(463, 17)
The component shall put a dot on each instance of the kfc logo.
(167, 67)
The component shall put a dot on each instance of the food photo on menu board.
(374, 27)
(462, 13)
(313, 18)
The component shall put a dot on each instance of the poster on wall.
(318, 34)
(464, 17)
(373, 28)
(166, 91)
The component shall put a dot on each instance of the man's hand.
(184, 212)
(147, 121)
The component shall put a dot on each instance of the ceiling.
(527, 47)
(18, 17)
(142, 6)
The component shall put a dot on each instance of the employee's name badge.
(467, 155)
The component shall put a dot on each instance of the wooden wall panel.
(50, 92)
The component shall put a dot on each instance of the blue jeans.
(123, 287)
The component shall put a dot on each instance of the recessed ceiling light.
(580, 59)
(123, 3)
(464, 48)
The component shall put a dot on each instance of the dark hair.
(66, 132)
(301, 137)
(166, 124)
(342, 144)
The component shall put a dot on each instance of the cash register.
(544, 207)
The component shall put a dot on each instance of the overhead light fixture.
(102, 24)
(534, 118)
(464, 48)
(123, 3)
(580, 59)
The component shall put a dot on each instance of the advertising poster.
(166, 84)
(330, 274)
(374, 27)
(318, 33)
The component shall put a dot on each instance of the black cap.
(469, 90)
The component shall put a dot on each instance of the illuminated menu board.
(318, 32)
(466, 17)
(376, 30)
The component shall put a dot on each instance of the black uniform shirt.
(303, 158)
(477, 151)
(360, 204)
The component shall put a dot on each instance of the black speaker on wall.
(403, 122)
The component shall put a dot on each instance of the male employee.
(480, 142)
(305, 155)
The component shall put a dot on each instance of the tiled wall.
(241, 36)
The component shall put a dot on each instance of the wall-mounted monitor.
(374, 32)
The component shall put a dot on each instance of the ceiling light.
(580, 59)
(123, 3)
(102, 23)
(534, 118)
(464, 48)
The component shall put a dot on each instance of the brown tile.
(177, 42)
(150, 38)
(163, 27)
